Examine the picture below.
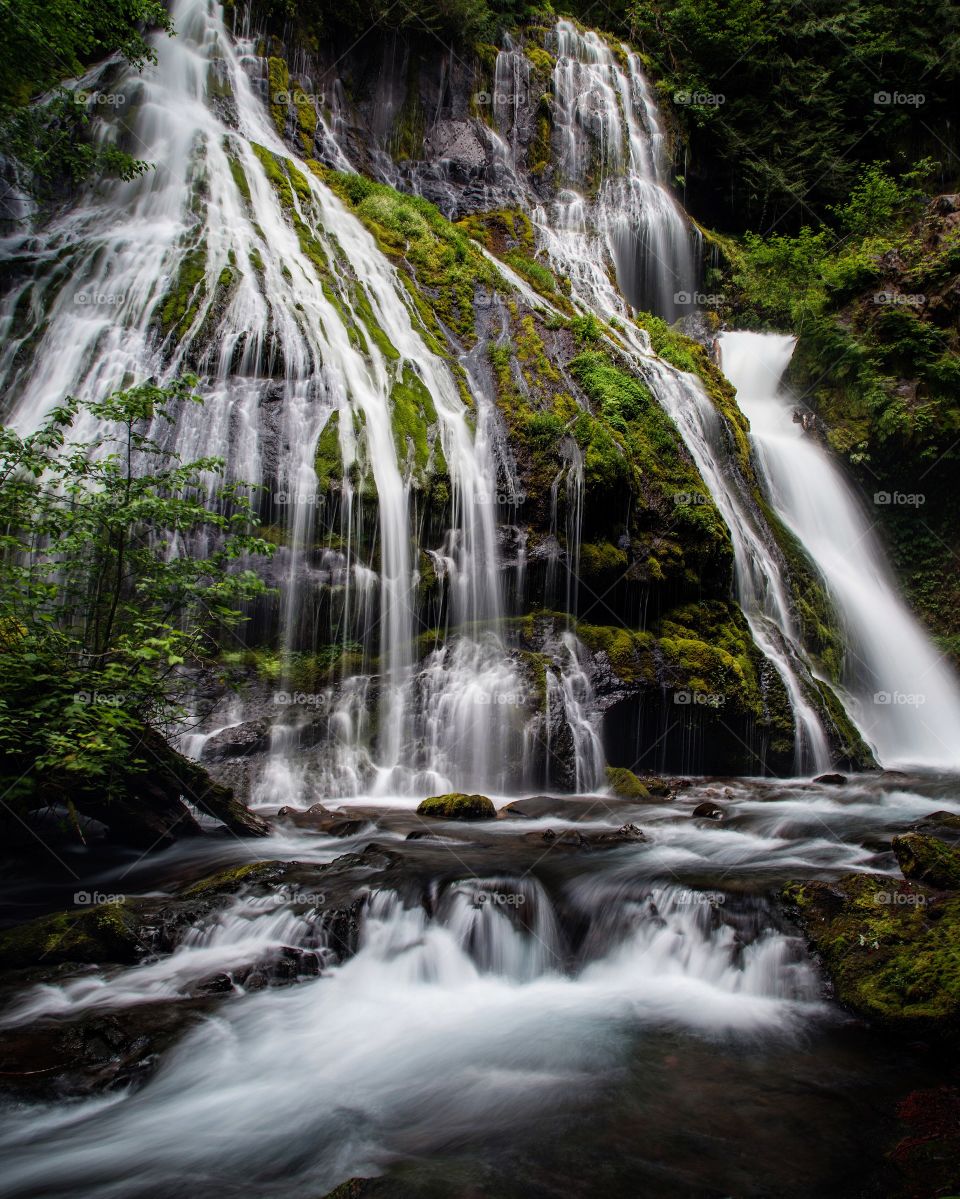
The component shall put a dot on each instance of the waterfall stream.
(508, 1007)
(899, 690)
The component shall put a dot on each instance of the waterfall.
(898, 689)
(611, 157)
(233, 259)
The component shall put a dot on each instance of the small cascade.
(898, 689)
(571, 706)
(611, 158)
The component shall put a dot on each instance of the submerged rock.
(458, 806)
(928, 860)
(832, 780)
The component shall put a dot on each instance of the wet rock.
(107, 932)
(928, 860)
(64, 1059)
(944, 822)
(322, 820)
(536, 807)
(832, 780)
(889, 947)
(458, 806)
(242, 740)
(709, 811)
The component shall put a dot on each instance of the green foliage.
(781, 106)
(46, 41)
(103, 602)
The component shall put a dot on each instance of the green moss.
(436, 256)
(278, 77)
(101, 933)
(275, 169)
(928, 860)
(238, 173)
(688, 355)
(892, 949)
(329, 457)
(457, 806)
(182, 303)
(542, 60)
(414, 420)
(306, 120)
(625, 783)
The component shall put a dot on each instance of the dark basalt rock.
(832, 780)
(708, 811)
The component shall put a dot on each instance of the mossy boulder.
(928, 860)
(625, 783)
(106, 932)
(891, 948)
(458, 806)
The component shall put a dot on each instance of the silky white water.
(273, 317)
(898, 688)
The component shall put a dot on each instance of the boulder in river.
(928, 860)
(709, 811)
(625, 783)
(889, 947)
(831, 780)
(458, 806)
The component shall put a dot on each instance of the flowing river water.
(529, 1007)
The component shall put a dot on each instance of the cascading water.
(232, 258)
(900, 692)
(612, 148)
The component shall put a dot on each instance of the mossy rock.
(625, 783)
(928, 860)
(105, 932)
(891, 949)
(458, 806)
